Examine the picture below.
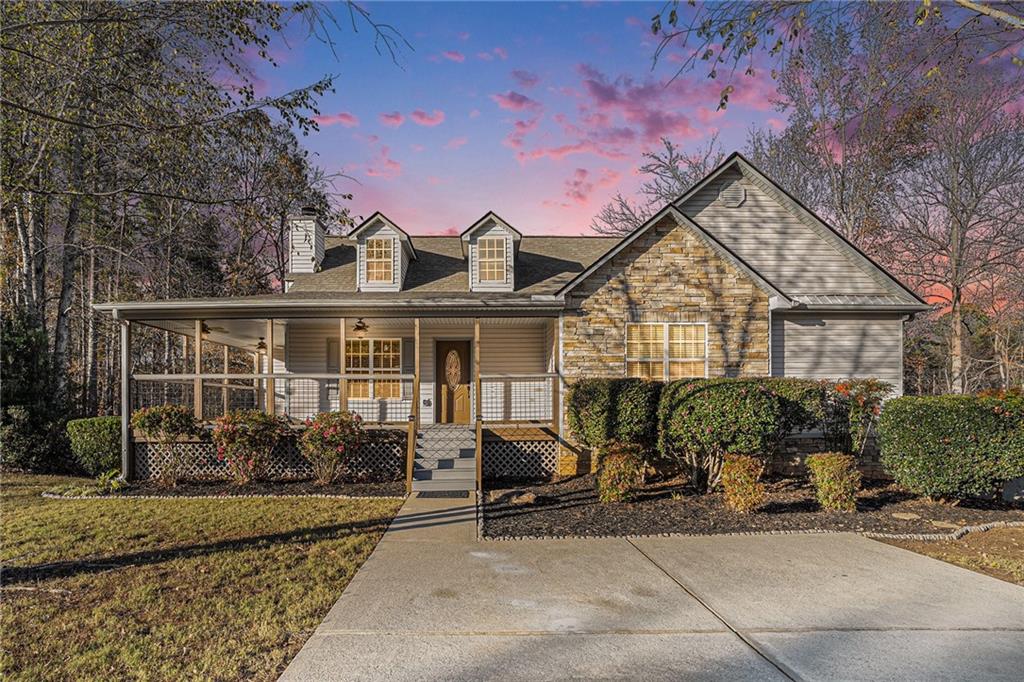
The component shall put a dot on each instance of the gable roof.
(682, 220)
(826, 232)
(545, 264)
(491, 216)
(403, 236)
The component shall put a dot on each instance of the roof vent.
(732, 194)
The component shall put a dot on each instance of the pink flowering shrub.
(245, 440)
(329, 441)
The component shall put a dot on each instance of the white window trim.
(503, 260)
(372, 368)
(664, 351)
(390, 261)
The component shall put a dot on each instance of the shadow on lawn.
(64, 569)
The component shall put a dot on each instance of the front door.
(452, 379)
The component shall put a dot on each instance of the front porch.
(496, 377)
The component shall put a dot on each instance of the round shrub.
(245, 439)
(620, 472)
(836, 480)
(953, 446)
(703, 419)
(164, 425)
(604, 410)
(96, 443)
(741, 475)
(330, 439)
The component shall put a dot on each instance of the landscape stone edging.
(955, 535)
(247, 496)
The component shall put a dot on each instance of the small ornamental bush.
(703, 419)
(620, 472)
(862, 401)
(245, 440)
(600, 411)
(164, 425)
(836, 480)
(953, 446)
(330, 439)
(96, 443)
(744, 492)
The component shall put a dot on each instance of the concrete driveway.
(432, 602)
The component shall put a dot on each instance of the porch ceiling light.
(262, 345)
(204, 330)
(360, 328)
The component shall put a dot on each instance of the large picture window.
(373, 356)
(379, 260)
(665, 351)
(491, 259)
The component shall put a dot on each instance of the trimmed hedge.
(96, 443)
(620, 472)
(953, 446)
(600, 411)
(836, 480)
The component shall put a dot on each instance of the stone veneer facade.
(669, 274)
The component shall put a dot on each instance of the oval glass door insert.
(453, 369)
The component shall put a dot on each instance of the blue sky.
(539, 111)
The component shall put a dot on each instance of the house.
(468, 342)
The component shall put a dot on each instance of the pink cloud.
(383, 166)
(582, 183)
(417, 148)
(422, 118)
(454, 56)
(515, 101)
(525, 79)
(474, 113)
(485, 56)
(392, 119)
(463, 36)
(456, 142)
(519, 130)
(776, 123)
(343, 118)
(501, 52)
(560, 152)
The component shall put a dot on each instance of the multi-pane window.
(373, 356)
(379, 260)
(491, 259)
(666, 351)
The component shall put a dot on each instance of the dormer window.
(380, 264)
(492, 259)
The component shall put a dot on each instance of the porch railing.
(519, 397)
(375, 397)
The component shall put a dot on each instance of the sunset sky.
(538, 111)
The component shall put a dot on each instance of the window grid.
(491, 259)
(379, 260)
(664, 350)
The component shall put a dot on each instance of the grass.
(998, 552)
(170, 589)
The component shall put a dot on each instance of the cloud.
(474, 113)
(456, 142)
(515, 101)
(383, 166)
(519, 130)
(582, 183)
(485, 56)
(462, 35)
(525, 79)
(560, 152)
(392, 119)
(343, 118)
(454, 56)
(501, 52)
(422, 118)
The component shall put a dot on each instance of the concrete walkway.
(433, 603)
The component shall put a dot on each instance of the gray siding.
(838, 346)
(492, 230)
(399, 262)
(789, 252)
(306, 245)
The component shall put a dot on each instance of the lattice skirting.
(381, 459)
(519, 460)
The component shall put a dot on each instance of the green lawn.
(170, 589)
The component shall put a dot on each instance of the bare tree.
(668, 175)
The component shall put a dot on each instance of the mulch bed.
(571, 508)
(228, 489)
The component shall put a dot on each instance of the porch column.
(197, 383)
(225, 397)
(270, 399)
(556, 382)
(257, 368)
(478, 408)
(342, 381)
(127, 468)
(416, 371)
